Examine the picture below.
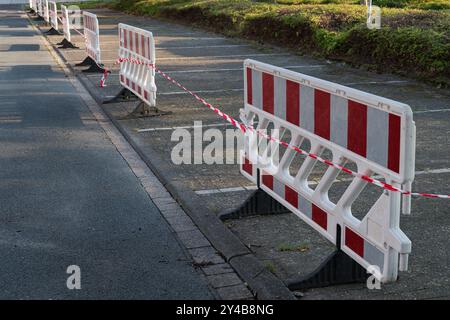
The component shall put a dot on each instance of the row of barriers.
(375, 134)
(48, 10)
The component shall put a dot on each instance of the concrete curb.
(263, 283)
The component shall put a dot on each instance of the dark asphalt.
(67, 197)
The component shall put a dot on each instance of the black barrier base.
(337, 269)
(66, 45)
(52, 32)
(88, 61)
(143, 111)
(94, 69)
(93, 66)
(259, 203)
(124, 95)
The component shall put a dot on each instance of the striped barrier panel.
(92, 36)
(46, 11)
(65, 22)
(40, 8)
(53, 13)
(138, 45)
(374, 133)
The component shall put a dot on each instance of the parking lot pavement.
(68, 197)
(211, 65)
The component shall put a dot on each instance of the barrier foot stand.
(143, 111)
(337, 269)
(124, 95)
(52, 32)
(259, 203)
(88, 61)
(95, 68)
(66, 45)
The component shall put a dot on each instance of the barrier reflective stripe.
(53, 12)
(46, 12)
(138, 44)
(377, 134)
(92, 36)
(65, 22)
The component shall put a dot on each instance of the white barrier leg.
(406, 199)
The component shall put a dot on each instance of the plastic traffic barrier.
(46, 11)
(40, 8)
(32, 4)
(53, 16)
(138, 44)
(65, 20)
(53, 9)
(92, 41)
(374, 133)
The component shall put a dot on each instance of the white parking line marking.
(205, 47)
(229, 56)
(431, 111)
(240, 69)
(378, 82)
(198, 91)
(253, 187)
(222, 124)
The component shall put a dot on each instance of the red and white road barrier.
(92, 36)
(32, 4)
(40, 8)
(53, 13)
(65, 20)
(137, 44)
(46, 12)
(376, 134)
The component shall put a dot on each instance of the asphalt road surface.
(67, 197)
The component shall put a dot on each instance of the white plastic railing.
(138, 44)
(40, 8)
(92, 36)
(374, 133)
(46, 12)
(53, 13)
(65, 22)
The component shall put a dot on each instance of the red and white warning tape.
(244, 128)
